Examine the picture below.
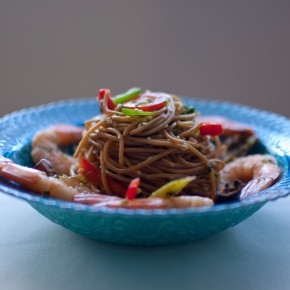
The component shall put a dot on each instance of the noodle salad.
(152, 136)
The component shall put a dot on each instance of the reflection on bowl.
(142, 226)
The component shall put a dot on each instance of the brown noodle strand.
(192, 130)
(124, 119)
(103, 175)
(213, 182)
(191, 148)
(86, 137)
(132, 125)
(136, 167)
(162, 175)
(185, 124)
(185, 117)
(121, 142)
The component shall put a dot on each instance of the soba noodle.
(157, 148)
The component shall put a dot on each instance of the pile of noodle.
(158, 149)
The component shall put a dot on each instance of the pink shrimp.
(45, 145)
(35, 180)
(258, 171)
(237, 138)
(229, 127)
(162, 203)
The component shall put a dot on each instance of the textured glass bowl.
(145, 227)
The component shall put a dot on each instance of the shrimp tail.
(264, 176)
(255, 186)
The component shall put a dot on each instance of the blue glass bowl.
(144, 227)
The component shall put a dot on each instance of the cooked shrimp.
(99, 200)
(46, 145)
(35, 180)
(237, 138)
(258, 171)
(74, 189)
(229, 127)
(162, 203)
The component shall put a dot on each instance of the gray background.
(227, 50)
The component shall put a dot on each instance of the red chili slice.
(93, 174)
(148, 102)
(211, 129)
(111, 105)
(133, 189)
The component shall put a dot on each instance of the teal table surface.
(38, 254)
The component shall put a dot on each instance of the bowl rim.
(279, 126)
